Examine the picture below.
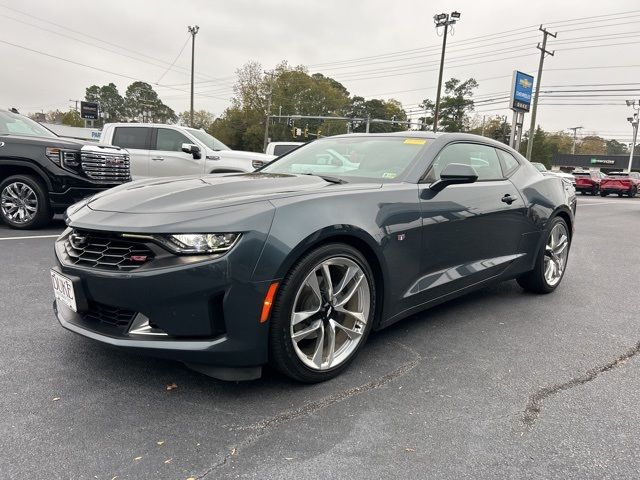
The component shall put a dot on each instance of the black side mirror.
(192, 149)
(454, 174)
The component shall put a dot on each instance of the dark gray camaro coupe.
(295, 264)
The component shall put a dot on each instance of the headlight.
(63, 158)
(195, 243)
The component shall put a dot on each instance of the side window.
(482, 158)
(170, 140)
(509, 163)
(131, 137)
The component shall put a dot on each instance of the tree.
(142, 104)
(496, 127)
(592, 145)
(110, 101)
(293, 92)
(614, 147)
(201, 119)
(72, 118)
(455, 106)
(377, 109)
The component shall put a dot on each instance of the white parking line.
(29, 236)
(587, 204)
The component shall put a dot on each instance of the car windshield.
(15, 124)
(363, 157)
(212, 142)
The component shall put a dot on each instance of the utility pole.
(634, 121)
(442, 20)
(575, 135)
(76, 102)
(268, 112)
(534, 108)
(193, 31)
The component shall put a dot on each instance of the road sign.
(521, 92)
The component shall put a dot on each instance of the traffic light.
(319, 134)
(293, 132)
(306, 132)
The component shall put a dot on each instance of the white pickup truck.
(158, 150)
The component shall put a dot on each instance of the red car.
(589, 182)
(620, 183)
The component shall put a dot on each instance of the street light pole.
(193, 31)
(442, 20)
(575, 131)
(634, 120)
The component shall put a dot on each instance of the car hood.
(194, 193)
(58, 142)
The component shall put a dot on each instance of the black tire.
(620, 194)
(594, 191)
(633, 191)
(43, 214)
(281, 351)
(534, 281)
(603, 194)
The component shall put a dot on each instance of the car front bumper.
(207, 313)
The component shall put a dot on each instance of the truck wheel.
(24, 203)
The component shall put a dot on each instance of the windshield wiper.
(327, 178)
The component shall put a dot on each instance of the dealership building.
(603, 163)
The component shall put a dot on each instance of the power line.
(175, 59)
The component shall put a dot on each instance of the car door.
(167, 158)
(471, 232)
(136, 140)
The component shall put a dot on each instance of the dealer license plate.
(63, 290)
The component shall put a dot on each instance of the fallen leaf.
(168, 460)
(288, 458)
(191, 478)
(55, 399)
(115, 478)
(234, 451)
(161, 442)
(410, 449)
(172, 386)
(138, 458)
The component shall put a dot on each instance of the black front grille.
(105, 251)
(108, 315)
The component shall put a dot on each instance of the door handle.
(508, 199)
(157, 159)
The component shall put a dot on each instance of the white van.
(159, 150)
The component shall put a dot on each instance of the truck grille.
(108, 167)
(105, 251)
(108, 315)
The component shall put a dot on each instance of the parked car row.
(597, 183)
(42, 174)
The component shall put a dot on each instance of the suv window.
(282, 149)
(131, 137)
(170, 140)
(482, 158)
(510, 164)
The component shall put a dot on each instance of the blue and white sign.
(521, 92)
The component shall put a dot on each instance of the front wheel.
(633, 191)
(551, 261)
(24, 203)
(603, 194)
(323, 314)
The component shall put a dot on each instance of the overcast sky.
(336, 33)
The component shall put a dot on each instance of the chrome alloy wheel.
(19, 202)
(330, 313)
(555, 254)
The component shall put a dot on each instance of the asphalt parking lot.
(498, 384)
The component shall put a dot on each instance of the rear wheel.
(633, 191)
(323, 314)
(603, 193)
(620, 194)
(551, 261)
(594, 191)
(24, 203)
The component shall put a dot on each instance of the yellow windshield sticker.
(415, 141)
